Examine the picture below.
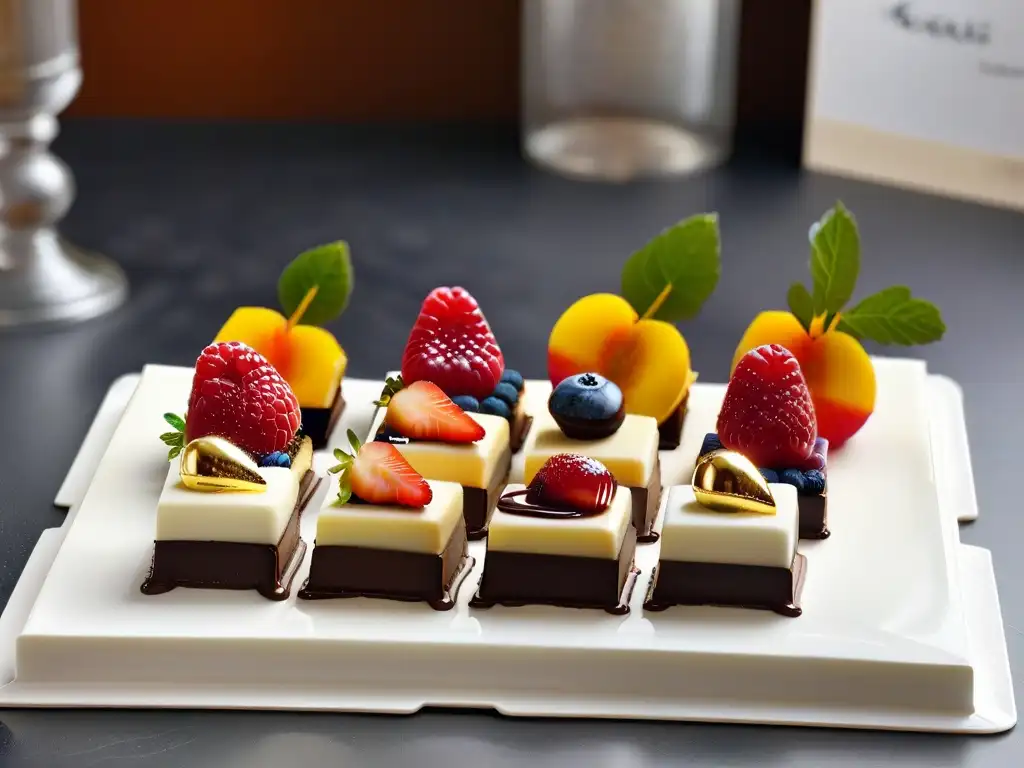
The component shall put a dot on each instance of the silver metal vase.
(43, 278)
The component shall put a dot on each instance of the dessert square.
(319, 423)
(630, 454)
(481, 468)
(811, 487)
(231, 540)
(741, 559)
(391, 552)
(578, 562)
(670, 431)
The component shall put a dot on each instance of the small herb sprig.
(343, 466)
(392, 385)
(174, 440)
(891, 316)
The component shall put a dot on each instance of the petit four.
(586, 417)
(388, 533)
(767, 415)
(729, 539)
(452, 346)
(825, 337)
(565, 540)
(443, 442)
(313, 290)
(631, 338)
(228, 514)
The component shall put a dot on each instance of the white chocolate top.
(597, 536)
(471, 464)
(631, 454)
(424, 530)
(692, 533)
(254, 518)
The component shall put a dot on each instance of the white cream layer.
(597, 536)
(254, 518)
(630, 454)
(425, 530)
(470, 464)
(692, 533)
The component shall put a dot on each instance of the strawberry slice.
(767, 414)
(421, 411)
(377, 473)
(451, 344)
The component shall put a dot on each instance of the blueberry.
(793, 477)
(507, 392)
(515, 378)
(711, 443)
(467, 403)
(814, 482)
(587, 406)
(770, 475)
(276, 459)
(496, 407)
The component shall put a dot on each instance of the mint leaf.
(175, 421)
(801, 305)
(327, 268)
(893, 316)
(672, 276)
(835, 260)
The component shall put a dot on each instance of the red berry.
(572, 481)
(421, 411)
(381, 475)
(451, 344)
(767, 414)
(238, 395)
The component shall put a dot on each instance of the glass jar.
(621, 89)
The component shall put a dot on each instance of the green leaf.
(672, 276)
(835, 260)
(173, 453)
(344, 494)
(893, 316)
(392, 385)
(801, 304)
(175, 421)
(354, 442)
(327, 268)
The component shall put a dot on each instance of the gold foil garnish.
(213, 464)
(727, 481)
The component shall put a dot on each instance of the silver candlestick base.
(42, 277)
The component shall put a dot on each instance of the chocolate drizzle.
(510, 504)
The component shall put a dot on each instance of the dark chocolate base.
(519, 427)
(646, 503)
(813, 512)
(721, 584)
(345, 572)
(670, 431)
(478, 503)
(319, 423)
(267, 568)
(517, 578)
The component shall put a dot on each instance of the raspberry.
(767, 414)
(451, 345)
(238, 395)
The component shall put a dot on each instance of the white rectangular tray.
(901, 627)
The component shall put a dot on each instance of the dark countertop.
(203, 217)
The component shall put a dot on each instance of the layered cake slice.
(313, 290)
(730, 539)
(587, 416)
(442, 442)
(452, 346)
(565, 540)
(228, 514)
(768, 416)
(387, 533)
